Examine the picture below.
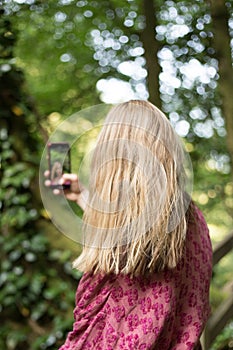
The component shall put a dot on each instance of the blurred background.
(60, 56)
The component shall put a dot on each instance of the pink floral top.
(167, 311)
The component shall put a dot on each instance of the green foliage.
(224, 341)
(77, 44)
(37, 285)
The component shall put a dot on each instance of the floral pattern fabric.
(166, 311)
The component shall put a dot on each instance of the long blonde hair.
(135, 220)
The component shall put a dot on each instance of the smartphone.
(59, 163)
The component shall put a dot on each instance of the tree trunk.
(151, 47)
(221, 44)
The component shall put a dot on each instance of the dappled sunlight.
(217, 233)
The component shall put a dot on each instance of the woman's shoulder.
(196, 217)
(198, 242)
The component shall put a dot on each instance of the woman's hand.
(76, 193)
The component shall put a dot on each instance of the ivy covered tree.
(36, 284)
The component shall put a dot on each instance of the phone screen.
(59, 163)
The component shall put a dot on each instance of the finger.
(71, 177)
(47, 183)
(56, 191)
(46, 173)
